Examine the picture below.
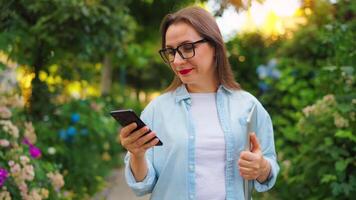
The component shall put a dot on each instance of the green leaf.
(345, 134)
(327, 178)
(341, 165)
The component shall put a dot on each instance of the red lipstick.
(185, 71)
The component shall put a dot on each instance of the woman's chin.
(186, 80)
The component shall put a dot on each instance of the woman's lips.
(185, 71)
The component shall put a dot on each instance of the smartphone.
(126, 117)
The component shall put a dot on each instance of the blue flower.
(270, 70)
(71, 131)
(262, 71)
(62, 134)
(75, 118)
(275, 74)
(263, 86)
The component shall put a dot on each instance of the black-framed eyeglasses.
(185, 50)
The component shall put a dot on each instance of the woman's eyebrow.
(183, 42)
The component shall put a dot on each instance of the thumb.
(254, 143)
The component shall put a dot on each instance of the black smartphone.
(126, 117)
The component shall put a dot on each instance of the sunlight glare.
(266, 17)
(283, 8)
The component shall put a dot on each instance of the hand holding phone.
(126, 117)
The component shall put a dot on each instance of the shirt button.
(191, 196)
(191, 137)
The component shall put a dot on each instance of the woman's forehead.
(180, 32)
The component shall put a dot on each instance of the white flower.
(56, 180)
(339, 121)
(44, 193)
(5, 113)
(30, 133)
(5, 195)
(308, 110)
(329, 98)
(4, 143)
(51, 150)
(11, 163)
(8, 127)
(28, 173)
(15, 169)
(23, 189)
(34, 195)
(16, 101)
(24, 160)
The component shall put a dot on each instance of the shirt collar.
(181, 93)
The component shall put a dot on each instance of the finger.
(246, 170)
(249, 165)
(144, 139)
(137, 134)
(248, 173)
(248, 156)
(254, 143)
(126, 130)
(244, 163)
(151, 143)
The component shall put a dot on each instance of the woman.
(201, 120)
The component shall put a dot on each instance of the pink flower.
(35, 152)
(3, 176)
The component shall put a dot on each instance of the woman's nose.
(178, 59)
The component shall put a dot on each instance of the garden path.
(117, 189)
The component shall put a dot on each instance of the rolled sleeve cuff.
(271, 180)
(146, 185)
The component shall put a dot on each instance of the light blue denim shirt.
(171, 167)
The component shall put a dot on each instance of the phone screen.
(126, 117)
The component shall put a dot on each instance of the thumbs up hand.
(252, 163)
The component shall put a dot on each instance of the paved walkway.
(117, 189)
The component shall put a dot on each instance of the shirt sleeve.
(145, 186)
(264, 132)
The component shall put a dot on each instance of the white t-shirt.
(210, 148)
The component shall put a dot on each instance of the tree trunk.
(106, 76)
(40, 102)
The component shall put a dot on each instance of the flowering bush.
(23, 172)
(315, 131)
(82, 136)
(326, 158)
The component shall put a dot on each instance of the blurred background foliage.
(74, 61)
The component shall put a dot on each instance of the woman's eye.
(187, 47)
(170, 51)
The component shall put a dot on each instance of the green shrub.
(84, 137)
(315, 150)
(325, 164)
